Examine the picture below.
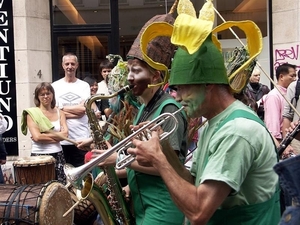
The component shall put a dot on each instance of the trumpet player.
(151, 200)
(231, 179)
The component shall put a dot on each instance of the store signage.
(8, 100)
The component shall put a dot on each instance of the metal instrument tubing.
(77, 174)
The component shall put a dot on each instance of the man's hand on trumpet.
(147, 134)
(147, 152)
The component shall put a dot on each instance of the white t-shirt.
(67, 94)
(102, 88)
(48, 148)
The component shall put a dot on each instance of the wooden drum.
(34, 169)
(36, 204)
(85, 212)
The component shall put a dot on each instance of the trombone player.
(231, 179)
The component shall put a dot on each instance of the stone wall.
(32, 40)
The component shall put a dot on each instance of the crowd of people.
(235, 175)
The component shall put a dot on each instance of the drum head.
(34, 160)
(54, 203)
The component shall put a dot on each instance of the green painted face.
(192, 98)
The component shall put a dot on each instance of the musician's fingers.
(96, 152)
(292, 125)
(132, 151)
(288, 149)
(159, 130)
(155, 134)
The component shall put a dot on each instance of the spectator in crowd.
(42, 119)
(102, 111)
(255, 91)
(105, 68)
(289, 115)
(274, 101)
(71, 94)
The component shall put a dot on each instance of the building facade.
(36, 33)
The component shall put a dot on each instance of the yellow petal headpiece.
(239, 78)
(152, 31)
(190, 32)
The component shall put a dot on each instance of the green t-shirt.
(241, 153)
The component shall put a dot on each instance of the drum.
(38, 204)
(85, 212)
(34, 169)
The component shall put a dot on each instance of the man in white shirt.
(70, 94)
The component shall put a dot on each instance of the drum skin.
(35, 204)
(34, 169)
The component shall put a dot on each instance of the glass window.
(106, 2)
(90, 50)
(80, 12)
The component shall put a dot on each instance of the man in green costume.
(231, 179)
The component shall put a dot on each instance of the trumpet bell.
(73, 176)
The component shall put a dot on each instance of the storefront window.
(90, 50)
(82, 27)
(80, 12)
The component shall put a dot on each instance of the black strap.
(144, 110)
(17, 192)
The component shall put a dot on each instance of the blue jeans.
(289, 178)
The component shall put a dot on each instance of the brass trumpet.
(77, 174)
(144, 133)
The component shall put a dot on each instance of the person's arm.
(74, 111)
(107, 112)
(63, 126)
(85, 144)
(288, 112)
(105, 107)
(3, 124)
(197, 203)
(36, 135)
(111, 161)
(285, 125)
(3, 127)
(293, 127)
(121, 173)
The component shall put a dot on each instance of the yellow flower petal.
(152, 31)
(190, 32)
(186, 7)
